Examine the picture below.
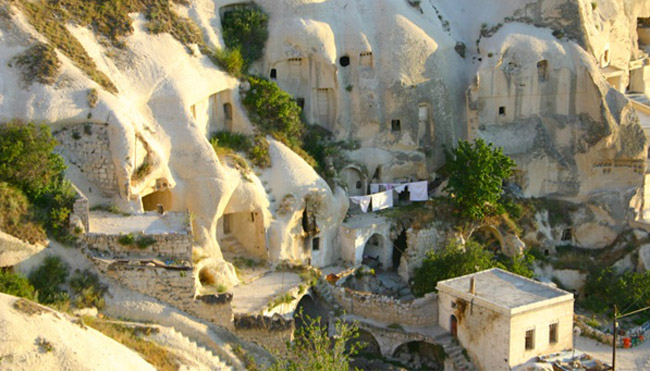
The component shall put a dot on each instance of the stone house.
(505, 320)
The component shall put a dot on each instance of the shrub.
(142, 171)
(450, 262)
(27, 162)
(48, 278)
(161, 18)
(476, 174)
(39, 63)
(16, 285)
(230, 60)
(630, 290)
(126, 240)
(229, 140)
(313, 349)
(142, 242)
(272, 109)
(246, 29)
(88, 290)
(17, 216)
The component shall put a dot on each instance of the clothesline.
(384, 199)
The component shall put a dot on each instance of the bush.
(246, 29)
(16, 285)
(476, 174)
(312, 349)
(144, 241)
(48, 278)
(27, 162)
(17, 216)
(450, 262)
(88, 290)
(629, 291)
(230, 60)
(272, 109)
(39, 63)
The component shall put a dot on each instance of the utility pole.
(614, 339)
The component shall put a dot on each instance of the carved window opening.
(542, 70)
(315, 243)
(552, 333)
(395, 125)
(274, 73)
(344, 61)
(227, 111)
(358, 185)
(567, 234)
(530, 339)
(300, 102)
(502, 111)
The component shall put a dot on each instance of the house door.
(454, 326)
(226, 224)
(323, 107)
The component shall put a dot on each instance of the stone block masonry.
(271, 332)
(87, 146)
(177, 246)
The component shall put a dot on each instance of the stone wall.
(174, 285)
(419, 312)
(87, 146)
(177, 246)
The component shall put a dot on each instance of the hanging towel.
(374, 188)
(418, 191)
(399, 188)
(362, 201)
(382, 200)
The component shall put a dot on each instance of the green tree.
(313, 350)
(246, 30)
(450, 262)
(16, 285)
(476, 174)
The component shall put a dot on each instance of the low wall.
(418, 312)
(272, 333)
(172, 285)
(176, 246)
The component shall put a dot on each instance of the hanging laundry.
(362, 201)
(418, 191)
(374, 188)
(382, 200)
(399, 188)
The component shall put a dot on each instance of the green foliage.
(273, 110)
(246, 29)
(313, 350)
(162, 19)
(453, 261)
(48, 278)
(230, 60)
(450, 262)
(39, 63)
(126, 240)
(229, 140)
(476, 173)
(142, 242)
(27, 162)
(16, 285)
(17, 215)
(87, 289)
(629, 290)
(142, 171)
(255, 148)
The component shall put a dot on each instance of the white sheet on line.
(362, 201)
(418, 191)
(382, 200)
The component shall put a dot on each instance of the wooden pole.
(614, 339)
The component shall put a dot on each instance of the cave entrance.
(151, 201)
(355, 181)
(399, 247)
(373, 250)
(490, 238)
(242, 234)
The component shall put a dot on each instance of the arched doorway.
(399, 247)
(373, 251)
(421, 355)
(453, 326)
(356, 182)
(489, 237)
(307, 310)
(370, 345)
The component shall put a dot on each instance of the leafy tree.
(16, 285)
(450, 262)
(630, 290)
(476, 173)
(313, 350)
(48, 278)
(246, 30)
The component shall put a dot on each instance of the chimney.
(472, 286)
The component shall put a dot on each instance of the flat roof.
(102, 222)
(503, 289)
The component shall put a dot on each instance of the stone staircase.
(202, 352)
(455, 353)
(230, 244)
